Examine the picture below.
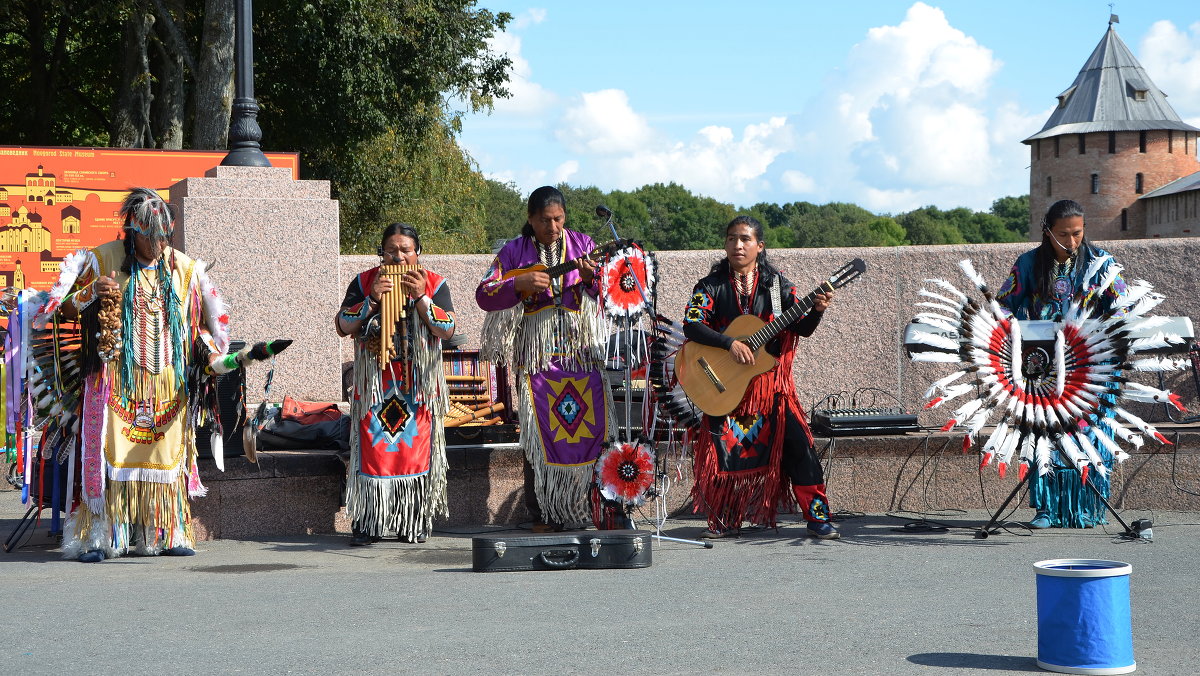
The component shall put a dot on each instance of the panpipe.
(392, 308)
(472, 391)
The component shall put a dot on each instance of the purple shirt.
(497, 293)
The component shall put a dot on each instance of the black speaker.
(231, 389)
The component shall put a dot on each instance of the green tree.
(887, 232)
(631, 216)
(427, 182)
(335, 80)
(1014, 212)
(680, 220)
(56, 63)
(929, 225)
(504, 211)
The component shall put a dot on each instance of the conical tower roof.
(1111, 93)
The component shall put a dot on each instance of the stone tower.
(1112, 139)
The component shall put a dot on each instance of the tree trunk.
(212, 95)
(45, 67)
(131, 114)
(167, 110)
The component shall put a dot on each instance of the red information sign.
(56, 200)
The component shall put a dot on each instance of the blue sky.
(890, 105)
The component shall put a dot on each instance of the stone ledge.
(299, 492)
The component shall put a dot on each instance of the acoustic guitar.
(566, 266)
(714, 381)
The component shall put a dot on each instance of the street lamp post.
(244, 132)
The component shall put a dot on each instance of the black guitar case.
(562, 551)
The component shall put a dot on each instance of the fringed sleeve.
(494, 292)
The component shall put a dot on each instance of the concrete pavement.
(883, 600)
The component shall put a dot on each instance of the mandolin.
(714, 381)
(567, 266)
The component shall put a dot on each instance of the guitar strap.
(776, 305)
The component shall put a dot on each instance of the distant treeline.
(671, 217)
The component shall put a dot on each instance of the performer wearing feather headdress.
(154, 330)
(740, 458)
(551, 331)
(1042, 285)
(397, 471)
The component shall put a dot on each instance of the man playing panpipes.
(397, 473)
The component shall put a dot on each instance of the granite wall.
(858, 344)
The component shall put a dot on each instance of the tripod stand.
(986, 530)
(38, 501)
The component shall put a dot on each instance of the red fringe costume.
(741, 459)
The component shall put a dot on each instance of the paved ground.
(883, 600)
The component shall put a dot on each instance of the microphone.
(1070, 252)
(603, 212)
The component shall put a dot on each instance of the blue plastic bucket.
(1084, 622)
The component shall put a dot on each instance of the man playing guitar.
(740, 458)
(540, 295)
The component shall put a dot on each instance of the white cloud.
(564, 171)
(716, 163)
(797, 181)
(1172, 59)
(909, 120)
(530, 17)
(603, 123)
(527, 97)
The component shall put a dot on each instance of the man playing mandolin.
(540, 294)
(741, 458)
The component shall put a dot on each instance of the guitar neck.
(784, 319)
(560, 269)
(567, 266)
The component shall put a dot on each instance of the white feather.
(1015, 348)
(937, 306)
(1146, 394)
(1092, 454)
(1146, 323)
(968, 269)
(938, 296)
(217, 444)
(949, 287)
(944, 323)
(1123, 433)
(945, 357)
(70, 269)
(977, 422)
(1110, 274)
(967, 410)
(1137, 422)
(1157, 341)
(1159, 364)
(1111, 446)
(1066, 444)
(934, 340)
(942, 382)
(1060, 362)
(1095, 265)
(1027, 446)
(214, 308)
(1010, 445)
(1042, 453)
(1133, 293)
(1147, 303)
(996, 439)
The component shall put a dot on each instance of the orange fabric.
(309, 412)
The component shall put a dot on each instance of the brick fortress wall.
(1168, 156)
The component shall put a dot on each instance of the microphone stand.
(627, 346)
